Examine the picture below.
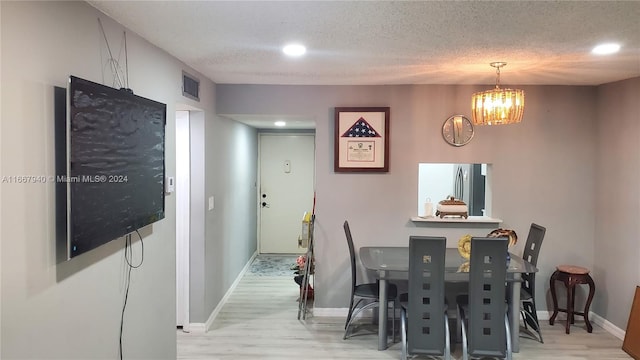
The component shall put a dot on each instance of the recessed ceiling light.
(606, 49)
(294, 50)
(280, 123)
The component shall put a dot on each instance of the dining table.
(392, 263)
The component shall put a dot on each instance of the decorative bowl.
(464, 246)
(508, 233)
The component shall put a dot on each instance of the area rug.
(273, 265)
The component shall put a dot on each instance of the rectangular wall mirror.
(467, 182)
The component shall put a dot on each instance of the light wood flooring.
(259, 321)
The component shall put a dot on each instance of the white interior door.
(286, 190)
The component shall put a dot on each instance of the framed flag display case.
(361, 139)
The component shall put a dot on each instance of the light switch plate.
(211, 203)
(170, 184)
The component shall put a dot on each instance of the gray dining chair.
(483, 311)
(424, 322)
(366, 293)
(528, 287)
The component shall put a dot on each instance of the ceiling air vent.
(190, 87)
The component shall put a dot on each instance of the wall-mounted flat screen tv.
(115, 164)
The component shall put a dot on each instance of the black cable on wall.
(128, 255)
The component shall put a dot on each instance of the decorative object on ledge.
(457, 130)
(452, 207)
(428, 208)
(497, 106)
(361, 141)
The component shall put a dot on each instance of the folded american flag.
(361, 128)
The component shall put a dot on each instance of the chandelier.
(497, 106)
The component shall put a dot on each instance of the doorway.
(287, 183)
(183, 195)
(189, 195)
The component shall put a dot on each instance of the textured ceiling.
(384, 42)
(392, 42)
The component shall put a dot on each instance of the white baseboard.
(342, 312)
(199, 327)
(595, 318)
(607, 325)
(543, 315)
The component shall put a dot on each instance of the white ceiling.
(392, 42)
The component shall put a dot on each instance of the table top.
(396, 259)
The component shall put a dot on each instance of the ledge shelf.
(452, 220)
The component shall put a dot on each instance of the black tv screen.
(115, 164)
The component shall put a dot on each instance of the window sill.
(452, 220)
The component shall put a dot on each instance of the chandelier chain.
(498, 65)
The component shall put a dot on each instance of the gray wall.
(72, 310)
(616, 268)
(543, 169)
(231, 170)
(224, 152)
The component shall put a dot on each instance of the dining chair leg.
(447, 339)
(346, 323)
(393, 323)
(465, 355)
(403, 333)
(354, 313)
(508, 332)
(458, 325)
(524, 318)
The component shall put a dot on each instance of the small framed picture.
(361, 139)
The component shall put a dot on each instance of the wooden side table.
(571, 276)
